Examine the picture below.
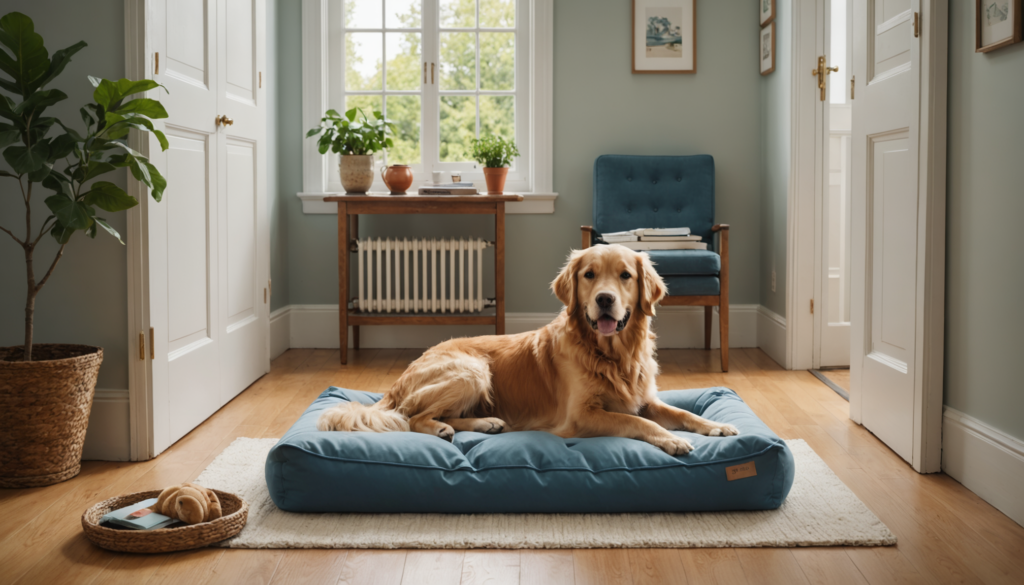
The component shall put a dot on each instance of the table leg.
(343, 280)
(355, 236)
(499, 268)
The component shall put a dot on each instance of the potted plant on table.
(496, 154)
(356, 140)
(46, 390)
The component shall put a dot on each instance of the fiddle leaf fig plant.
(70, 163)
(347, 135)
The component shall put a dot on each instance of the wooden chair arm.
(720, 226)
(587, 236)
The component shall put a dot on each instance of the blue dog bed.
(315, 471)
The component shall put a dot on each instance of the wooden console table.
(350, 207)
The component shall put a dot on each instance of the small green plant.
(494, 151)
(36, 159)
(347, 135)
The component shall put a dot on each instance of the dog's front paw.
(490, 425)
(446, 432)
(723, 430)
(675, 446)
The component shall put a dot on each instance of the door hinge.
(264, 296)
(853, 84)
(917, 25)
(812, 306)
(156, 64)
(261, 79)
(142, 346)
(270, 285)
(152, 345)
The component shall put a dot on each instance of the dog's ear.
(564, 285)
(652, 287)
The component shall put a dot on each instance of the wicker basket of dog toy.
(210, 515)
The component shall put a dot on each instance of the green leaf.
(61, 147)
(39, 101)
(26, 160)
(30, 60)
(59, 60)
(110, 93)
(58, 183)
(9, 86)
(8, 135)
(75, 215)
(351, 114)
(145, 107)
(314, 131)
(156, 190)
(41, 173)
(97, 168)
(108, 197)
(106, 226)
(60, 233)
(7, 110)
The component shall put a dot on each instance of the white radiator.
(420, 276)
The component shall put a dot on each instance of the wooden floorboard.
(946, 533)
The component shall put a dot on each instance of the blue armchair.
(633, 192)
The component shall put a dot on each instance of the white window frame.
(322, 88)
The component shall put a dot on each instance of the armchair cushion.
(686, 262)
(692, 285)
(654, 191)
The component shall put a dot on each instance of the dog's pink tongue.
(607, 325)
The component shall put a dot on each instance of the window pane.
(367, 103)
(497, 13)
(362, 13)
(498, 116)
(404, 67)
(458, 127)
(403, 13)
(458, 13)
(498, 52)
(404, 112)
(363, 57)
(458, 61)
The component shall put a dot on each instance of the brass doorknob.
(222, 119)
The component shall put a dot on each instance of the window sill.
(532, 203)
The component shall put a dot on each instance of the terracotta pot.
(495, 178)
(44, 412)
(397, 178)
(356, 172)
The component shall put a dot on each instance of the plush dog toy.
(189, 503)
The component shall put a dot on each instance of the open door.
(898, 224)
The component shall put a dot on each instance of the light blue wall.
(985, 206)
(600, 107)
(85, 301)
(278, 93)
(775, 160)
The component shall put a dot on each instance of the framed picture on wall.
(664, 36)
(767, 8)
(997, 23)
(766, 49)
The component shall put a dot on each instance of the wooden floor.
(946, 533)
(840, 378)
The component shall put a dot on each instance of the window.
(445, 72)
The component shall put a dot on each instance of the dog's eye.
(589, 274)
(625, 276)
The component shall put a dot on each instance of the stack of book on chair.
(449, 189)
(656, 239)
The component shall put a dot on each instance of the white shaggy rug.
(820, 511)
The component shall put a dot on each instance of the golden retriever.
(591, 372)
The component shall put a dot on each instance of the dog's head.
(606, 284)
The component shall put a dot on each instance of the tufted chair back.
(655, 191)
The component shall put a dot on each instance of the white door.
(207, 253)
(898, 230)
(832, 311)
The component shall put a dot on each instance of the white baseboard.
(771, 334)
(109, 435)
(316, 326)
(280, 331)
(985, 460)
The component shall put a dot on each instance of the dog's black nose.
(605, 300)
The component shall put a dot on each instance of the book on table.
(449, 189)
(640, 246)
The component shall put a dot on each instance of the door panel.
(892, 34)
(188, 50)
(241, 50)
(241, 220)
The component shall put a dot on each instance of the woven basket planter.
(236, 512)
(44, 412)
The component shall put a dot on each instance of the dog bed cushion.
(316, 471)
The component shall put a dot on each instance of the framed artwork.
(766, 49)
(767, 8)
(997, 23)
(664, 36)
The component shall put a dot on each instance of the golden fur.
(576, 377)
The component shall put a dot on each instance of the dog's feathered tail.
(353, 416)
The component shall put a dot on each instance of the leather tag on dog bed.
(740, 471)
